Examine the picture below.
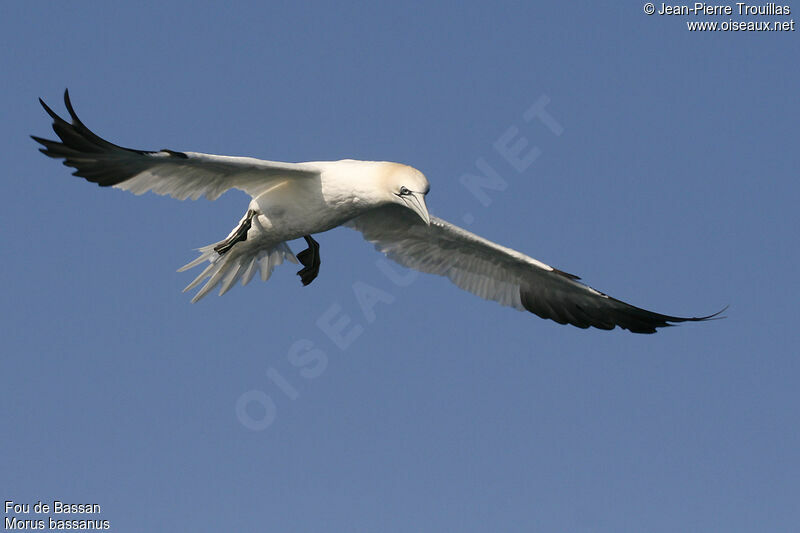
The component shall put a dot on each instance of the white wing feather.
(178, 174)
(210, 175)
(497, 273)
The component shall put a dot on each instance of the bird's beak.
(416, 202)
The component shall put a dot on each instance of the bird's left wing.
(181, 175)
(498, 273)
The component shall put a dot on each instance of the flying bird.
(384, 201)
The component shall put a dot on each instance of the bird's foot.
(239, 234)
(311, 261)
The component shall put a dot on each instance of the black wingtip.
(676, 320)
(41, 141)
(74, 116)
(67, 102)
(50, 112)
(70, 109)
(94, 158)
(713, 316)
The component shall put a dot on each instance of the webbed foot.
(239, 234)
(310, 260)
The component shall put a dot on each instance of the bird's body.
(341, 191)
(385, 201)
(329, 195)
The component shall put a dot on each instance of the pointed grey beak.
(416, 202)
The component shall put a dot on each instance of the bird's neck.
(353, 185)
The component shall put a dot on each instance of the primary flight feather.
(384, 201)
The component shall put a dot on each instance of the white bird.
(384, 201)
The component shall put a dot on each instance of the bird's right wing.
(498, 273)
(181, 175)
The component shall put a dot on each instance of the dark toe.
(307, 275)
(306, 257)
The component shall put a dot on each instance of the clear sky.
(666, 176)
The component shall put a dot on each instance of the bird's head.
(407, 186)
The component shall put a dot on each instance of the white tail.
(239, 262)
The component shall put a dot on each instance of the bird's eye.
(404, 191)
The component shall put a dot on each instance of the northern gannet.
(384, 201)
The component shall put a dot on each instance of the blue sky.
(672, 185)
